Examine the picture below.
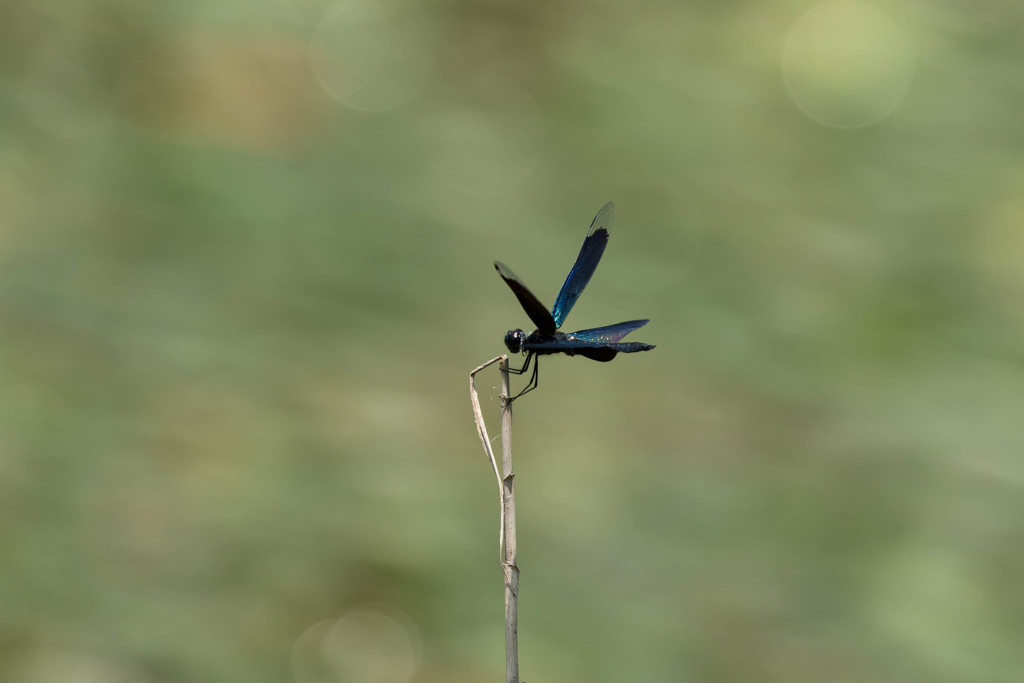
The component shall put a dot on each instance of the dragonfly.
(600, 343)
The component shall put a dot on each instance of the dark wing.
(609, 334)
(534, 308)
(586, 262)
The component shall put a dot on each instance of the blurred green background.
(245, 269)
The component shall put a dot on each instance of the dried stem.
(507, 532)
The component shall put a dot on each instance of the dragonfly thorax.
(514, 340)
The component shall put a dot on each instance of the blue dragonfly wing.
(586, 263)
(608, 334)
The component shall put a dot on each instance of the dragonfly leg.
(532, 384)
(526, 366)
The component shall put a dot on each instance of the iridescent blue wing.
(533, 307)
(609, 334)
(586, 262)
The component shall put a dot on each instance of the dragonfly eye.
(514, 340)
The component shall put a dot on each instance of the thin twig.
(481, 429)
(508, 509)
(506, 488)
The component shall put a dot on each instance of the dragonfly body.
(572, 344)
(600, 343)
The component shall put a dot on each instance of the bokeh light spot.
(372, 55)
(846, 64)
(374, 643)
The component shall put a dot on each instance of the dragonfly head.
(514, 340)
